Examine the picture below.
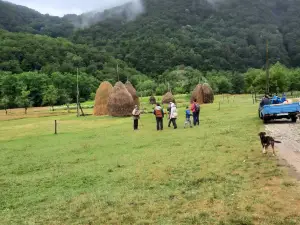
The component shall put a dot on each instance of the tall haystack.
(197, 94)
(167, 98)
(152, 100)
(208, 94)
(120, 101)
(101, 99)
(132, 91)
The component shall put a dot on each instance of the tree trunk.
(68, 107)
(52, 108)
(25, 110)
(5, 111)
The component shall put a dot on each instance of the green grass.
(98, 171)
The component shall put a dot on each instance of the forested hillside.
(17, 18)
(228, 35)
(170, 44)
(33, 63)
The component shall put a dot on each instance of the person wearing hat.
(136, 116)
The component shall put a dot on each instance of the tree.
(4, 103)
(50, 96)
(23, 100)
(65, 98)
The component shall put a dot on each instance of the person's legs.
(194, 118)
(135, 124)
(198, 118)
(169, 124)
(157, 123)
(189, 120)
(174, 123)
(161, 123)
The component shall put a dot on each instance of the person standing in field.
(169, 114)
(159, 114)
(187, 117)
(136, 116)
(174, 115)
(196, 112)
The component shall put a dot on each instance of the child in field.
(187, 117)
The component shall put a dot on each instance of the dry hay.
(197, 94)
(132, 91)
(208, 94)
(101, 99)
(152, 100)
(120, 101)
(167, 98)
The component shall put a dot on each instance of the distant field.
(98, 171)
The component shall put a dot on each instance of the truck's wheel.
(294, 119)
(266, 120)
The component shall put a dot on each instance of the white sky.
(62, 7)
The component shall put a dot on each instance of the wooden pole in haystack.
(267, 69)
(118, 70)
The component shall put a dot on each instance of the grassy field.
(98, 171)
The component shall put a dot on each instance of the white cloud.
(62, 7)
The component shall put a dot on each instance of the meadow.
(97, 170)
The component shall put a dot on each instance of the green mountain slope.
(17, 18)
(228, 35)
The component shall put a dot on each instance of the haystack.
(167, 98)
(132, 91)
(152, 100)
(208, 94)
(197, 94)
(120, 101)
(101, 98)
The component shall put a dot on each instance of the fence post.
(219, 105)
(55, 127)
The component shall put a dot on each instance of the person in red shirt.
(196, 112)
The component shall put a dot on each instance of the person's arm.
(154, 112)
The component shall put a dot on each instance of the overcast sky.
(62, 7)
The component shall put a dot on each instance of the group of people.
(172, 115)
(267, 100)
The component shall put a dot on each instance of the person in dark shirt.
(265, 101)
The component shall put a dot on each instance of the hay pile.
(152, 100)
(208, 94)
(197, 94)
(167, 98)
(120, 101)
(132, 91)
(101, 98)
(203, 94)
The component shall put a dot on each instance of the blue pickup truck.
(279, 111)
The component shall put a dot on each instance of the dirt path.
(289, 149)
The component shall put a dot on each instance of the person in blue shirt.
(187, 117)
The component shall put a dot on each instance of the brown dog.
(266, 141)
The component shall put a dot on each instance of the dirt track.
(289, 134)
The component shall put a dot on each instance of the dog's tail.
(277, 141)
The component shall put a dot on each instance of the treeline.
(38, 89)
